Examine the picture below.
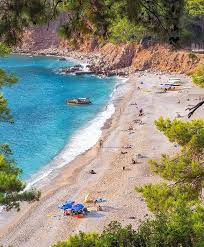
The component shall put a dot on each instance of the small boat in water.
(78, 101)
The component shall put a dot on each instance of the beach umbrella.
(69, 202)
(67, 205)
(78, 207)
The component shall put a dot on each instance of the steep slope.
(155, 57)
(109, 57)
(42, 37)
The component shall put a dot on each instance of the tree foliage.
(179, 201)
(163, 17)
(102, 17)
(122, 31)
(195, 7)
(5, 80)
(82, 240)
(86, 18)
(113, 235)
(189, 135)
(187, 167)
(198, 76)
(174, 21)
(181, 170)
(192, 21)
(162, 198)
(11, 186)
(15, 15)
(178, 210)
(167, 20)
(178, 219)
(181, 228)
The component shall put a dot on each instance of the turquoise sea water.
(44, 124)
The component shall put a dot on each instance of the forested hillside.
(177, 22)
(127, 35)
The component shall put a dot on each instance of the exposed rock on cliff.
(155, 57)
(164, 58)
(117, 56)
(110, 58)
(42, 37)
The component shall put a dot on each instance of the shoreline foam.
(70, 151)
(78, 144)
(72, 148)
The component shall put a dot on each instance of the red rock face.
(156, 57)
(163, 58)
(43, 37)
(133, 57)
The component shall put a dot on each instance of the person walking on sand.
(101, 143)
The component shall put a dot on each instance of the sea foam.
(82, 140)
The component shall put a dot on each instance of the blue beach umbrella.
(78, 207)
(67, 205)
(69, 202)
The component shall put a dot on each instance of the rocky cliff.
(155, 57)
(123, 58)
(38, 38)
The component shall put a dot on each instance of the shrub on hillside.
(193, 57)
(198, 76)
(123, 31)
(113, 235)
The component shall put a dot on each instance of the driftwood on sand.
(194, 108)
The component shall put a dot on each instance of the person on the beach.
(134, 161)
(130, 128)
(101, 143)
(141, 113)
(92, 172)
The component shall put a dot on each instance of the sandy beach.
(43, 224)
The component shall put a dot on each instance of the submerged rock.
(62, 59)
(72, 69)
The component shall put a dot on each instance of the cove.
(44, 124)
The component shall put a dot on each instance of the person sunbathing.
(141, 113)
(130, 128)
(127, 146)
(92, 172)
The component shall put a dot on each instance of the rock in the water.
(62, 59)
(73, 69)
